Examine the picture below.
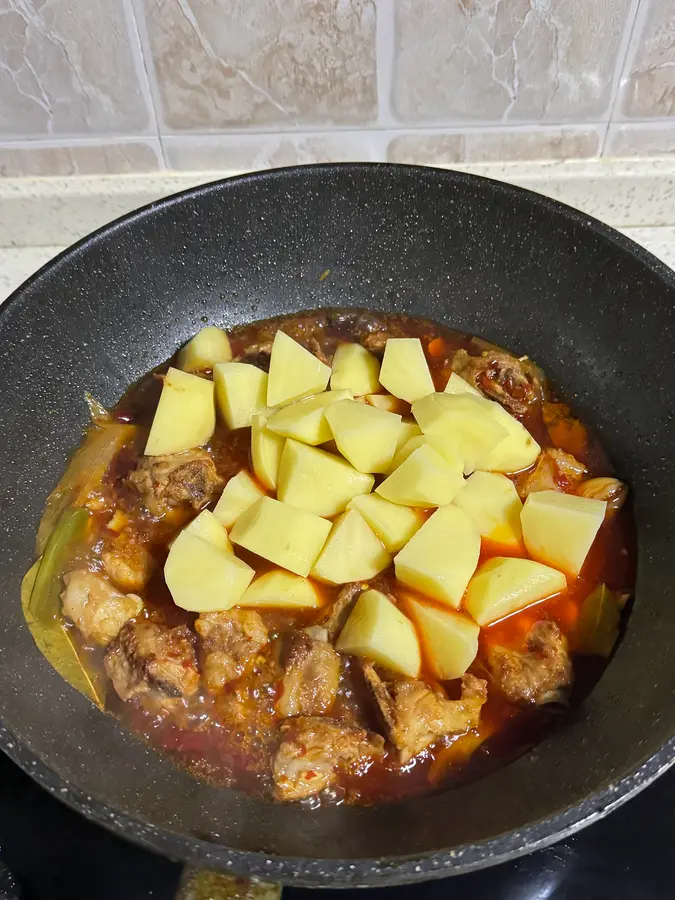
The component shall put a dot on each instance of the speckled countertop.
(39, 217)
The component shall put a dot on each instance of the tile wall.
(114, 86)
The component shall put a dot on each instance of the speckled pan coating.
(594, 309)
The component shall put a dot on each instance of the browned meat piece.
(231, 640)
(554, 470)
(376, 341)
(537, 675)
(96, 608)
(147, 656)
(312, 752)
(312, 671)
(414, 715)
(163, 482)
(611, 490)
(510, 381)
(260, 359)
(337, 613)
(127, 562)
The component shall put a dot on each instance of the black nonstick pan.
(596, 311)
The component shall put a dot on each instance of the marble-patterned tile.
(641, 140)
(222, 64)
(120, 157)
(648, 84)
(519, 61)
(69, 67)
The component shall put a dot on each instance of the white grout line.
(149, 69)
(621, 67)
(637, 30)
(140, 66)
(385, 49)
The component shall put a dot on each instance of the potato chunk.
(457, 385)
(355, 369)
(208, 528)
(240, 492)
(425, 479)
(392, 523)
(266, 450)
(364, 435)
(202, 577)
(305, 420)
(450, 640)
(289, 537)
(209, 346)
(441, 558)
(241, 392)
(506, 584)
(388, 403)
(377, 630)
(353, 552)
(294, 372)
(281, 590)
(559, 529)
(446, 448)
(404, 372)
(318, 481)
(185, 417)
(517, 451)
(492, 502)
(409, 429)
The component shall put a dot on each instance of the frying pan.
(596, 311)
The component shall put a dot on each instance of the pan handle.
(204, 884)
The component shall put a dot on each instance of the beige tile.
(232, 63)
(495, 146)
(648, 88)
(72, 159)
(506, 60)
(640, 140)
(67, 68)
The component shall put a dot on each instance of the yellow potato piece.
(208, 528)
(457, 385)
(318, 481)
(445, 447)
(467, 420)
(305, 420)
(449, 639)
(266, 450)
(393, 524)
(506, 584)
(209, 346)
(240, 492)
(353, 552)
(377, 630)
(289, 537)
(202, 577)
(241, 391)
(425, 479)
(281, 590)
(388, 403)
(441, 558)
(559, 529)
(404, 372)
(517, 451)
(185, 416)
(364, 435)
(355, 369)
(294, 372)
(409, 429)
(492, 502)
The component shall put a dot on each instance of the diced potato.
(241, 392)
(202, 577)
(185, 416)
(281, 590)
(305, 420)
(209, 528)
(240, 492)
(266, 450)
(353, 552)
(441, 558)
(289, 537)
(559, 529)
(517, 451)
(318, 481)
(457, 385)
(450, 640)
(294, 372)
(425, 479)
(377, 630)
(506, 584)
(492, 502)
(404, 372)
(393, 524)
(445, 447)
(208, 347)
(467, 420)
(409, 429)
(355, 369)
(388, 403)
(364, 435)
